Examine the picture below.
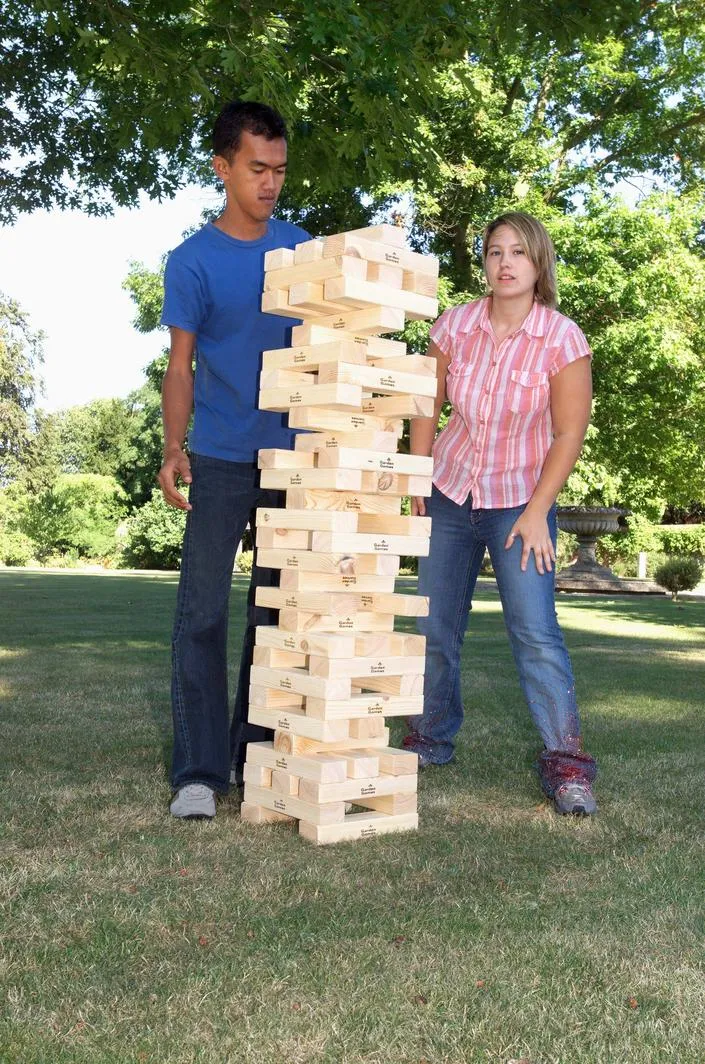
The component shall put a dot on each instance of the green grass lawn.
(498, 932)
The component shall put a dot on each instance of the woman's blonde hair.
(538, 246)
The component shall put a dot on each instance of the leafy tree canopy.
(20, 357)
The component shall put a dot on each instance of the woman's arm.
(423, 429)
(571, 400)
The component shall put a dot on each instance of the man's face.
(254, 176)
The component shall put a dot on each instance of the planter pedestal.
(586, 574)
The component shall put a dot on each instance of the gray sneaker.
(575, 799)
(194, 802)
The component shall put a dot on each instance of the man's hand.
(175, 466)
(533, 529)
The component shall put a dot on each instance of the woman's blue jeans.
(459, 536)
(224, 496)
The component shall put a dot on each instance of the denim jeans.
(224, 496)
(459, 536)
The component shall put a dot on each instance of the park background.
(498, 932)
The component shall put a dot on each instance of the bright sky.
(66, 270)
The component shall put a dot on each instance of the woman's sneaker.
(195, 801)
(575, 798)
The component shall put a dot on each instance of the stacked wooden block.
(326, 677)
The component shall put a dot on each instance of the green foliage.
(20, 355)
(679, 574)
(154, 536)
(147, 292)
(683, 540)
(15, 548)
(245, 561)
(80, 512)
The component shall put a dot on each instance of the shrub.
(244, 561)
(15, 548)
(679, 574)
(79, 513)
(153, 536)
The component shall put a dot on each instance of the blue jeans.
(224, 496)
(459, 536)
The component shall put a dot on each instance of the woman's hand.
(418, 506)
(533, 529)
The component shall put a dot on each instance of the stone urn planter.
(588, 523)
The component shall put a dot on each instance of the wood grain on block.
(342, 603)
(376, 379)
(365, 543)
(393, 406)
(370, 727)
(371, 251)
(299, 746)
(358, 826)
(358, 293)
(327, 479)
(308, 359)
(279, 458)
(346, 395)
(351, 502)
(276, 658)
(286, 782)
(260, 775)
(308, 251)
(371, 319)
(359, 458)
(310, 442)
(305, 519)
(360, 765)
(269, 698)
(317, 271)
(330, 813)
(309, 296)
(353, 789)
(422, 365)
(326, 420)
(286, 378)
(296, 580)
(313, 562)
(395, 484)
(303, 621)
(277, 302)
(369, 704)
(317, 767)
(395, 804)
(404, 686)
(396, 762)
(282, 538)
(367, 666)
(392, 235)
(381, 273)
(257, 814)
(421, 283)
(299, 681)
(398, 525)
(326, 645)
(278, 259)
(395, 645)
(295, 722)
(312, 334)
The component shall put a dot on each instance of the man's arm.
(177, 404)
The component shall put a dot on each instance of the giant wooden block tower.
(326, 677)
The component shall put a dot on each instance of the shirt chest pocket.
(527, 391)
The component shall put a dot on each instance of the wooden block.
(394, 804)
(360, 765)
(404, 686)
(295, 722)
(358, 293)
(351, 790)
(363, 543)
(286, 378)
(421, 283)
(276, 658)
(367, 666)
(395, 645)
(276, 301)
(395, 484)
(347, 395)
(317, 767)
(308, 251)
(422, 365)
(270, 698)
(284, 782)
(278, 458)
(317, 271)
(398, 525)
(282, 538)
(305, 519)
(303, 621)
(296, 580)
(377, 379)
(366, 728)
(330, 813)
(341, 603)
(309, 296)
(367, 704)
(327, 479)
(358, 826)
(313, 562)
(393, 235)
(314, 334)
(260, 775)
(298, 746)
(327, 420)
(309, 358)
(278, 259)
(257, 814)
(372, 319)
(372, 251)
(300, 682)
(310, 442)
(359, 458)
(326, 645)
(407, 406)
(352, 502)
(379, 273)
(395, 762)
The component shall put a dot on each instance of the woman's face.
(510, 272)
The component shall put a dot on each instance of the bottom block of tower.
(358, 826)
(257, 814)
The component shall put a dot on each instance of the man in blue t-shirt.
(212, 290)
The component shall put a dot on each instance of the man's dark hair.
(238, 115)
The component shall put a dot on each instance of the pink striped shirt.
(500, 430)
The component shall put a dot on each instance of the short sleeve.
(184, 303)
(440, 332)
(573, 346)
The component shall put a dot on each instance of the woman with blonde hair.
(517, 375)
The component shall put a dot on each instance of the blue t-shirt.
(213, 287)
